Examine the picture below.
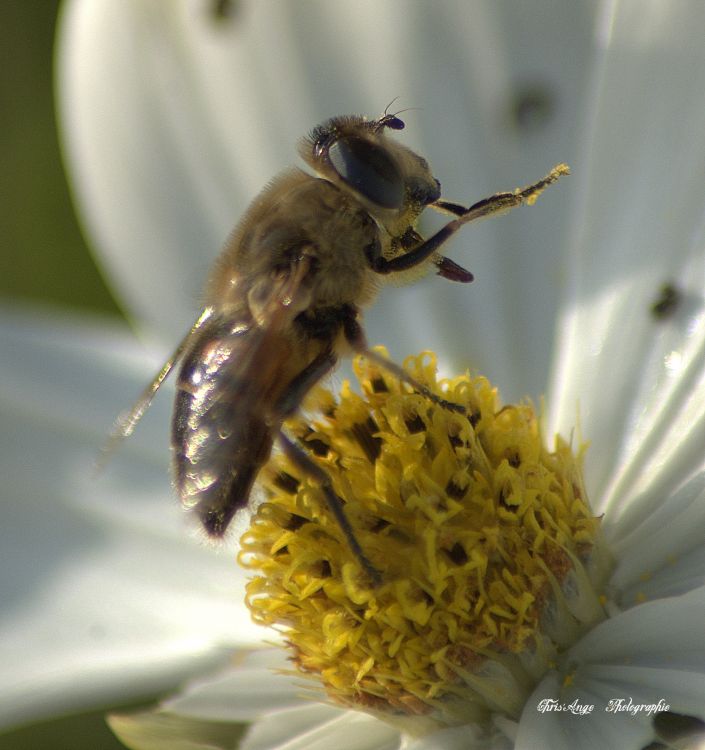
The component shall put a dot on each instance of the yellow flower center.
(490, 557)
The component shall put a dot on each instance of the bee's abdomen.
(236, 472)
(220, 439)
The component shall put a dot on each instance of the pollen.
(490, 559)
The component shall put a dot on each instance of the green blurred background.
(43, 257)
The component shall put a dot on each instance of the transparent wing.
(125, 424)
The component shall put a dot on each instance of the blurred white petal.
(105, 593)
(151, 731)
(244, 693)
(635, 381)
(320, 727)
(458, 738)
(662, 553)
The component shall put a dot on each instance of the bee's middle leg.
(302, 384)
(355, 336)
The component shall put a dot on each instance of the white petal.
(651, 655)
(459, 738)
(172, 122)
(153, 180)
(648, 654)
(285, 709)
(289, 708)
(624, 700)
(153, 730)
(242, 692)
(581, 725)
(678, 689)
(105, 594)
(320, 727)
(661, 551)
(635, 380)
(669, 636)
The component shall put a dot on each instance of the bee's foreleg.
(498, 203)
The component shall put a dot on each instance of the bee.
(283, 302)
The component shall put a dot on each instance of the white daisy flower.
(174, 116)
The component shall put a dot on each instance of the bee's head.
(355, 154)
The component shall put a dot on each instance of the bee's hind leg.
(298, 457)
(284, 408)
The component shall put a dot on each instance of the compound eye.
(368, 169)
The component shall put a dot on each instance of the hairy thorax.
(300, 215)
